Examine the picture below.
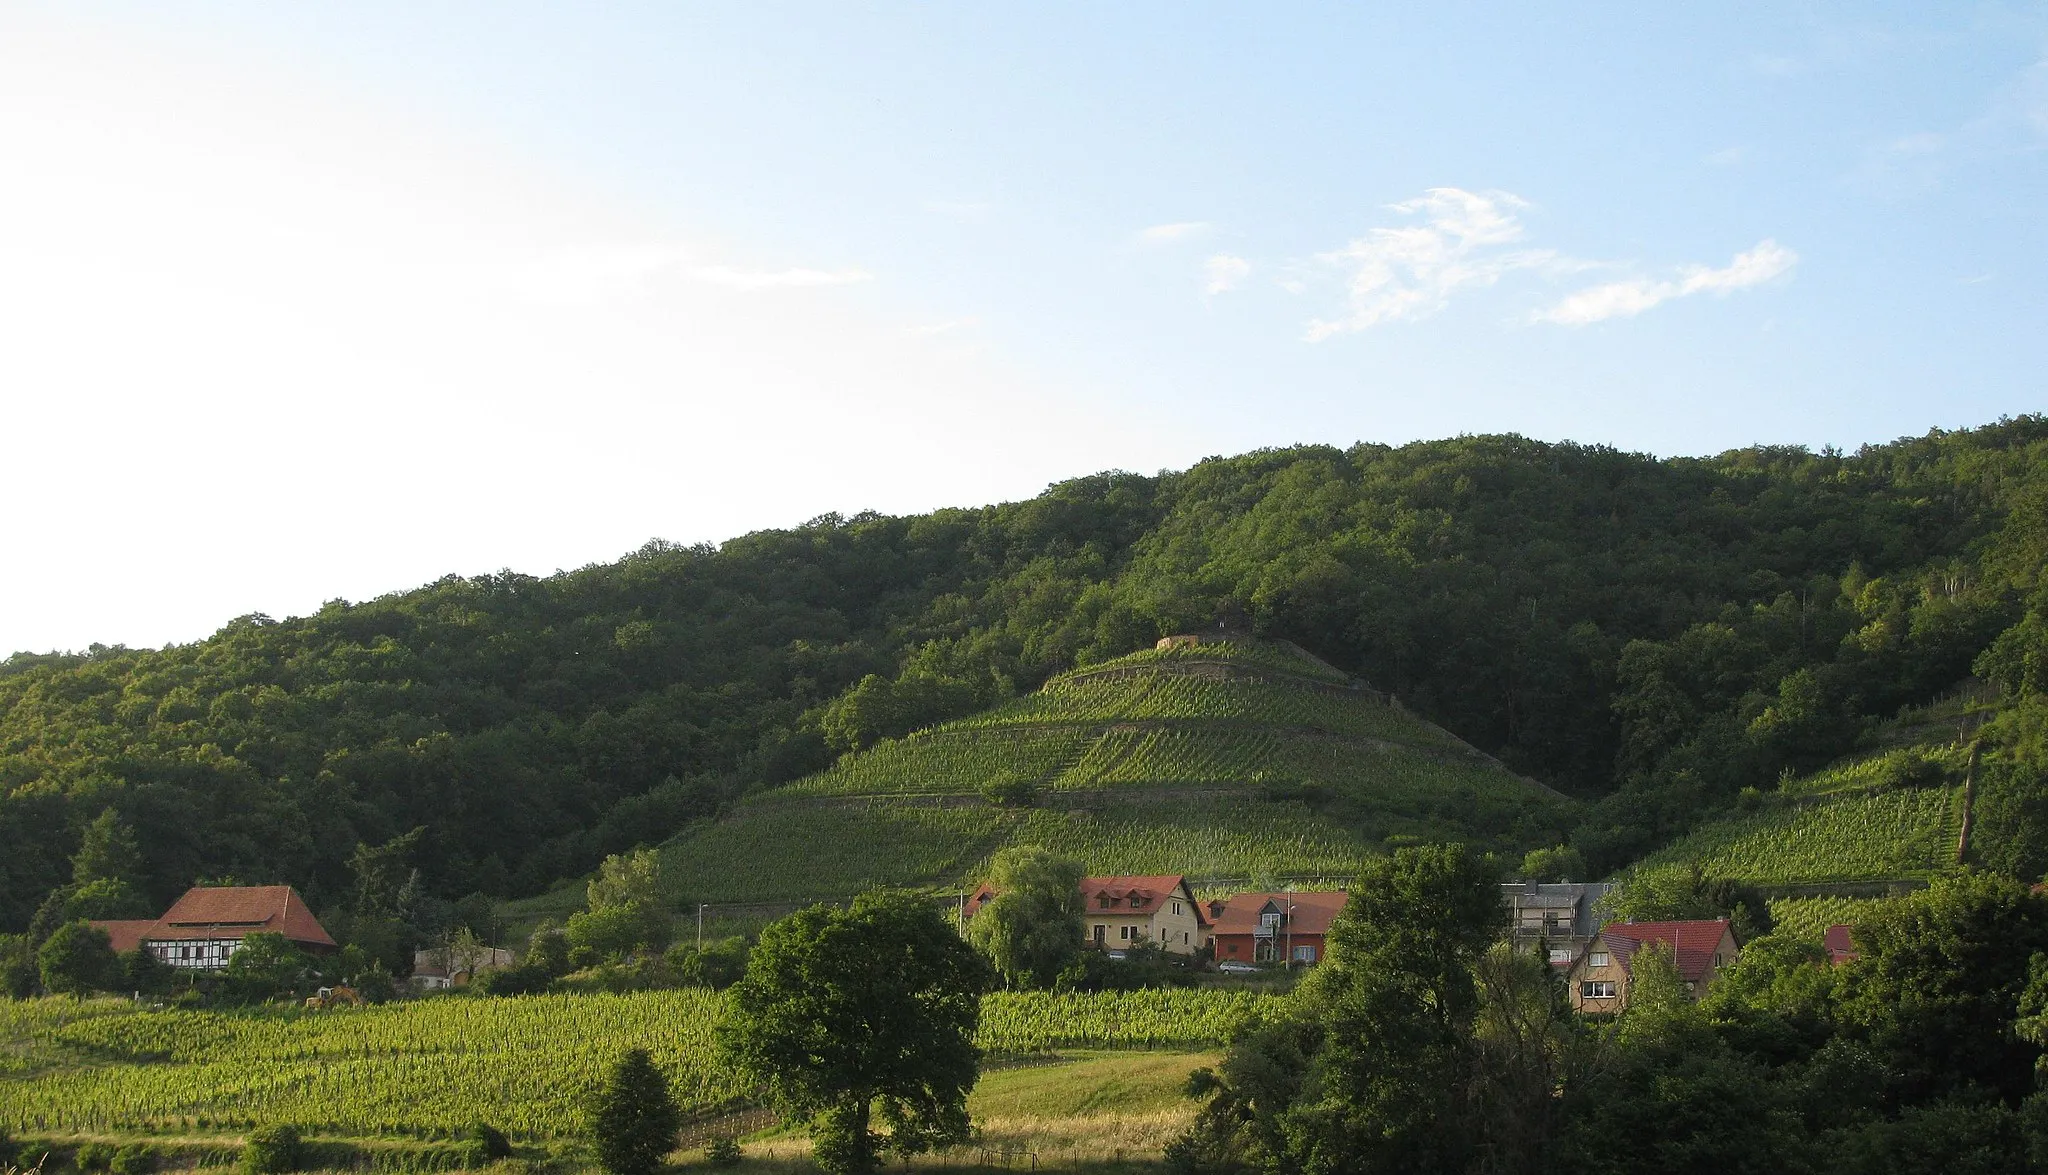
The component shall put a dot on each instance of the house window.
(1105, 901)
(1597, 959)
(1269, 921)
(1101, 932)
(1560, 954)
(1305, 954)
(1597, 989)
(1183, 937)
(1176, 909)
(1124, 932)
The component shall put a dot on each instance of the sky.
(315, 301)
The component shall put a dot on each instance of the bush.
(272, 1150)
(525, 979)
(137, 1158)
(633, 1119)
(94, 1156)
(723, 1152)
(487, 1143)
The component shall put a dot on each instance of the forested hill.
(1673, 629)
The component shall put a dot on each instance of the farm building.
(205, 927)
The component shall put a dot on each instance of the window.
(1597, 989)
(1597, 959)
(1560, 954)
(1306, 954)
(1176, 909)
(1183, 936)
(1270, 920)
(1105, 901)
(1126, 933)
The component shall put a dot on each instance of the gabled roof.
(1312, 910)
(231, 911)
(1692, 943)
(126, 933)
(1153, 889)
(1143, 892)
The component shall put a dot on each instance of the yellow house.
(1122, 912)
(1601, 975)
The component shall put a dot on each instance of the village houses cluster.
(1245, 931)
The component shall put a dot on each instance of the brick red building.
(1275, 927)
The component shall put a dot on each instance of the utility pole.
(700, 928)
(1289, 965)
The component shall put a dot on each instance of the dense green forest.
(1652, 636)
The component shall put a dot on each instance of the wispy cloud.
(1221, 273)
(1625, 299)
(1167, 234)
(1460, 239)
(925, 330)
(774, 279)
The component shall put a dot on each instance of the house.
(1275, 927)
(1561, 917)
(1599, 980)
(445, 967)
(1129, 911)
(206, 926)
(1839, 944)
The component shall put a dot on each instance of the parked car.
(1234, 967)
(1118, 955)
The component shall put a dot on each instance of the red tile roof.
(1692, 943)
(227, 911)
(1840, 946)
(1152, 889)
(1312, 911)
(126, 933)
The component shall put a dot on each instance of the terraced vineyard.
(1858, 836)
(1810, 918)
(438, 1065)
(1219, 760)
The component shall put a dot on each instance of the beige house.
(1600, 978)
(1122, 912)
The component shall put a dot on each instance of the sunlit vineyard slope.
(1231, 759)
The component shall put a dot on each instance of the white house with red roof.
(1601, 977)
(206, 926)
(1120, 912)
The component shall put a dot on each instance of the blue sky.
(336, 299)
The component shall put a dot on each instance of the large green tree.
(1031, 929)
(77, 960)
(847, 1016)
(1373, 1067)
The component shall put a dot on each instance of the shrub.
(94, 1156)
(487, 1144)
(137, 1158)
(723, 1152)
(633, 1119)
(272, 1150)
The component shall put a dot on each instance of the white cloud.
(1625, 299)
(774, 279)
(1167, 234)
(1410, 272)
(1221, 273)
(925, 330)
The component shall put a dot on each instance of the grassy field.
(425, 1068)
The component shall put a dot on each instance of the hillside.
(1888, 817)
(1649, 635)
(1228, 759)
